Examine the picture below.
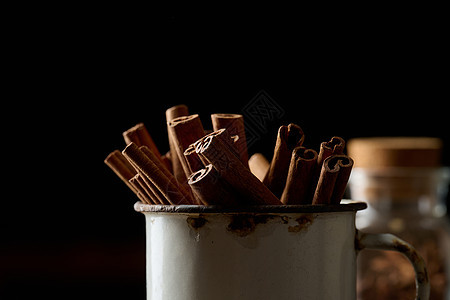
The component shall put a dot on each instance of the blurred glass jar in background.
(404, 185)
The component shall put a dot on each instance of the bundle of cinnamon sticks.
(213, 168)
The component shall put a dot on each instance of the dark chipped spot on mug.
(303, 223)
(244, 224)
(406, 249)
(422, 277)
(401, 247)
(285, 219)
(196, 222)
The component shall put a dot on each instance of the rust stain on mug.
(303, 223)
(422, 277)
(196, 222)
(244, 224)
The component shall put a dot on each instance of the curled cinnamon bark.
(184, 131)
(231, 169)
(184, 188)
(167, 160)
(210, 188)
(192, 159)
(234, 123)
(160, 177)
(176, 111)
(288, 138)
(226, 139)
(333, 179)
(335, 146)
(300, 175)
(172, 113)
(151, 189)
(142, 192)
(122, 167)
(139, 135)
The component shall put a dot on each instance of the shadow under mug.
(261, 252)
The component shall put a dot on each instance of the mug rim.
(345, 205)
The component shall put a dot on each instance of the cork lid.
(379, 152)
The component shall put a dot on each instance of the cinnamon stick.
(193, 160)
(231, 169)
(259, 165)
(151, 189)
(126, 171)
(184, 131)
(346, 165)
(139, 135)
(122, 167)
(142, 194)
(160, 177)
(167, 160)
(210, 188)
(184, 188)
(334, 147)
(226, 139)
(288, 138)
(172, 113)
(300, 175)
(333, 179)
(234, 123)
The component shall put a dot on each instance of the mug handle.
(386, 241)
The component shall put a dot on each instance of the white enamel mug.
(261, 252)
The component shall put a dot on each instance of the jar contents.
(405, 187)
(389, 275)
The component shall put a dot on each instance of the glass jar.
(408, 201)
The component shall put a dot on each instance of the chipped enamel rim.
(346, 205)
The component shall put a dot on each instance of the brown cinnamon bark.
(301, 172)
(139, 135)
(184, 188)
(172, 113)
(160, 177)
(234, 123)
(122, 167)
(184, 131)
(334, 147)
(167, 160)
(346, 165)
(151, 189)
(142, 193)
(231, 169)
(176, 111)
(210, 188)
(333, 179)
(193, 160)
(226, 139)
(259, 165)
(288, 138)
(127, 171)
(147, 184)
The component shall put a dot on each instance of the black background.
(80, 77)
